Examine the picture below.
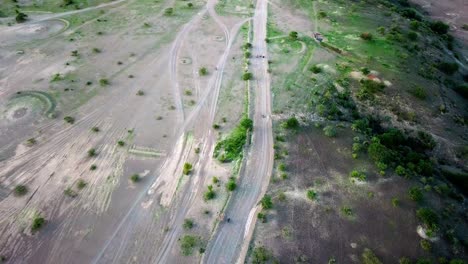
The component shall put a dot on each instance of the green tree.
(266, 202)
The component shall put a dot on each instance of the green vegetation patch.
(230, 148)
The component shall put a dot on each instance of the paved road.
(225, 245)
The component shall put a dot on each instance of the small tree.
(291, 123)
(140, 93)
(189, 5)
(366, 36)
(187, 243)
(92, 152)
(247, 76)
(20, 17)
(95, 129)
(121, 143)
(80, 184)
(188, 224)
(329, 131)
(210, 194)
(37, 222)
(316, 69)
(104, 82)
(69, 119)
(439, 27)
(311, 194)
(169, 11)
(93, 167)
(415, 194)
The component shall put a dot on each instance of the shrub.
(260, 255)
(366, 36)
(135, 178)
(448, 68)
(187, 243)
(462, 89)
(121, 143)
(311, 194)
(358, 175)
(70, 192)
(439, 27)
(37, 223)
(322, 14)
(31, 141)
(230, 148)
(266, 202)
(215, 180)
(291, 123)
(231, 185)
(140, 93)
(412, 36)
(69, 119)
(93, 167)
(189, 5)
(293, 35)
(369, 88)
(169, 11)
(103, 82)
(418, 92)
(203, 71)
(316, 69)
(20, 17)
(96, 50)
(329, 131)
(262, 217)
(395, 202)
(188, 224)
(209, 194)
(247, 76)
(410, 13)
(80, 184)
(404, 260)
(91, 152)
(428, 217)
(426, 245)
(368, 257)
(20, 190)
(95, 129)
(187, 168)
(347, 211)
(415, 194)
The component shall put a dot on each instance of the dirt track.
(225, 245)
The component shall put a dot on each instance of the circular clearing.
(32, 31)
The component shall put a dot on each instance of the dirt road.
(227, 241)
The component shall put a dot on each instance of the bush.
(462, 90)
(448, 68)
(230, 148)
(291, 123)
(311, 194)
(20, 190)
(404, 260)
(93, 167)
(140, 93)
(439, 27)
(316, 69)
(187, 168)
(419, 92)
(169, 11)
(70, 192)
(96, 50)
(69, 119)
(358, 175)
(121, 143)
(260, 255)
(187, 243)
(20, 17)
(262, 217)
(368, 257)
(266, 202)
(95, 129)
(410, 13)
(231, 185)
(428, 217)
(412, 36)
(103, 82)
(426, 245)
(369, 88)
(415, 194)
(203, 71)
(366, 36)
(135, 178)
(293, 35)
(395, 202)
(80, 184)
(247, 76)
(188, 224)
(329, 131)
(210, 194)
(91, 152)
(37, 223)
(189, 5)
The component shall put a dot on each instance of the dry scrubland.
(132, 130)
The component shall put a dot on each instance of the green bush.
(92, 152)
(103, 82)
(187, 243)
(369, 88)
(395, 202)
(260, 255)
(439, 27)
(311, 194)
(188, 224)
(428, 217)
(135, 178)
(358, 175)
(20, 17)
(329, 131)
(209, 194)
(37, 223)
(70, 192)
(231, 185)
(368, 257)
(266, 202)
(169, 11)
(448, 68)
(247, 76)
(69, 119)
(80, 184)
(412, 35)
(20, 190)
(187, 168)
(366, 36)
(426, 245)
(203, 71)
(121, 143)
(462, 90)
(293, 35)
(415, 194)
(419, 92)
(291, 123)
(316, 69)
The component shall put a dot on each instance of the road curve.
(226, 243)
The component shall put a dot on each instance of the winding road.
(226, 244)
